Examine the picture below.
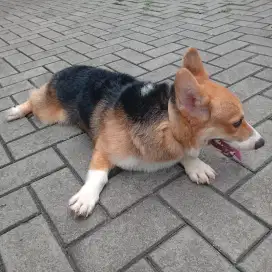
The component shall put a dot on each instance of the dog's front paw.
(198, 171)
(83, 203)
(13, 113)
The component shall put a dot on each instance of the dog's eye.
(238, 124)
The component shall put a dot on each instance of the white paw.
(13, 113)
(198, 171)
(83, 203)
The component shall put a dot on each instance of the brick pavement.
(144, 222)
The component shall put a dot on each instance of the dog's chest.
(134, 163)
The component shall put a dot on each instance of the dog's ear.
(192, 61)
(190, 96)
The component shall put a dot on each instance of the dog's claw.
(198, 171)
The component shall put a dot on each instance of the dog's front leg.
(197, 170)
(84, 201)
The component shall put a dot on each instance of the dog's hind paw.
(198, 171)
(13, 113)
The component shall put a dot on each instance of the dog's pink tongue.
(238, 155)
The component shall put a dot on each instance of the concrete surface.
(158, 222)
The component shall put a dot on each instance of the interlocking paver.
(28, 169)
(248, 87)
(54, 192)
(130, 228)
(32, 247)
(257, 108)
(255, 195)
(140, 184)
(237, 72)
(187, 251)
(16, 207)
(112, 246)
(260, 259)
(227, 227)
(232, 58)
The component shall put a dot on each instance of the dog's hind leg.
(43, 103)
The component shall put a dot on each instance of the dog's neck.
(185, 129)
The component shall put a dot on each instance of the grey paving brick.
(6, 69)
(265, 74)
(104, 51)
(72, 57)
(81, 47)
(268, 93)
(232, 58)
(22, 76)
(101, 60)
(167, 32)
(159, 51)
(160, 74)
(54, 192)
(256, 39)
(160, 61)
(59, 44)
(141, 266)
(195, 35)
(227, 47)
(225, 37)
(30, 49)
(132, 56)
(57, 66)
(90, 39)
(8, 53)
(119, 40)
(257, 108)
(259, 49)
(51, 34)
(112, 246)
(23, 85)
(228, 172)
(211, 69)
(78, 152)
(126, 188)
(187, 251)
(197, 44)
(259, 259)
(41, 139)
(138, 46)
(5, 103)
(140, 37)
(237, 72)
(2, 43)
(37, 63)
(4, 159)
(255, 195)
(49, 53)
(225, 225)
(254, 31)
(28, 169)
(15, 207)
(221, 29)
(41, 41)
(15, 129)
(262, 60)
(248, 87)
(32, 247)
(126, 67)
(165, 40)
(18, 59)
(38, 81)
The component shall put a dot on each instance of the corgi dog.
(144, 126)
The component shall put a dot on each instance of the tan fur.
(44, 105)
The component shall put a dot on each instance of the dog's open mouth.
(226, 149)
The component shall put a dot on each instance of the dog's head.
(219, 112)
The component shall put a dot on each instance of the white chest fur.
(133, 163)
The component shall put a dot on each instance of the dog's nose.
(259, 143)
